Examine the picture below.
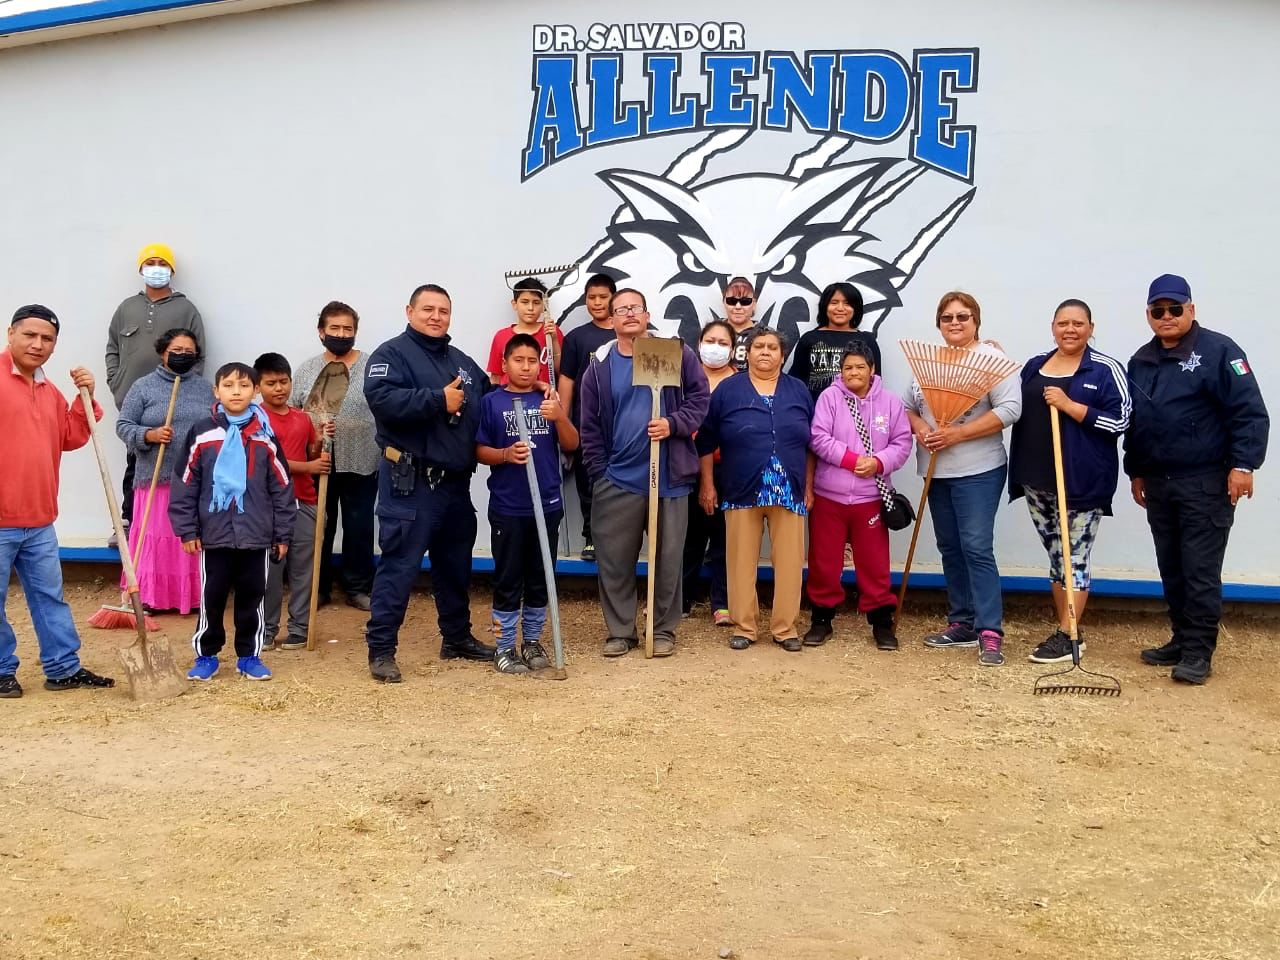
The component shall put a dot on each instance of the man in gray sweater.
(131, 338)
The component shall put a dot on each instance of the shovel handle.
(104, 472)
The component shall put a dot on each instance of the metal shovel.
(656, 365)
(148, 662)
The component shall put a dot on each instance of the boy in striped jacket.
(232, 501)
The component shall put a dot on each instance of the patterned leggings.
(1083, 526)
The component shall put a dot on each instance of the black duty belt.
(433, 475)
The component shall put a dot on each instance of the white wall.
(352, 150)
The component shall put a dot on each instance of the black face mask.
(339, 346)
(182, 363)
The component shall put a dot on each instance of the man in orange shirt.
(38, 426)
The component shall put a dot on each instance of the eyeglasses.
(739, 301)
(634, 310)
(1157, 313)
(955, 318)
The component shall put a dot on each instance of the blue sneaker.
(956, 635)
(204, 669)
(251, 668)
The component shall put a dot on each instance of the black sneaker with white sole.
(1056, 648)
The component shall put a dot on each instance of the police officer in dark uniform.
(425, 398)
(1198, 431)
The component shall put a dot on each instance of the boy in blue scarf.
(232, 498)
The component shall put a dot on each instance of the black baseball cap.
(37, 310)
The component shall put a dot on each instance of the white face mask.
(156, 277)
(714, 355)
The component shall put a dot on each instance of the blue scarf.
(230, 470)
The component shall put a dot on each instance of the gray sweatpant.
(618, 523)
(297, 568)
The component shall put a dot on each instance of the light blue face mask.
(156, 277)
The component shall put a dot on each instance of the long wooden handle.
(126, 561)
(155, 475)
(653, 528)
(1064, 529)
(915, 532)
(322, 497)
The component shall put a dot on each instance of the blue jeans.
(33, 552)
(964, 520)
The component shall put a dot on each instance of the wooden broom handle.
(155, 476)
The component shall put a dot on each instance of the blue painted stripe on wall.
(89, 12)
(1101, 587)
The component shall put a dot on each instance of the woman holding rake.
(968, 478)
(1090, 391)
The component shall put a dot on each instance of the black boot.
(819, 626)
(881, 620)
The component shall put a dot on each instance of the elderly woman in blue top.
(1091, 393)
(760, 419)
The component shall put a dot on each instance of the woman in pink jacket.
(861, 435)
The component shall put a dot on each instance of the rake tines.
(1105, 685)
(567, 272)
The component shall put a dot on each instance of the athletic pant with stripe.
(222, 571)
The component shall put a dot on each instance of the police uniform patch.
(1240, 366)
(378, 369)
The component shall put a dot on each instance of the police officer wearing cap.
(1198, 431)
(425, 395)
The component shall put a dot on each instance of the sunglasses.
(739, 301)
(955, 318)
(1157, 313)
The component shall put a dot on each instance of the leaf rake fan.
(952, 380)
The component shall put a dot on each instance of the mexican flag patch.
(1240, 366)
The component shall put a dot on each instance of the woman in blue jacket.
(1091, 393)
(759, 419)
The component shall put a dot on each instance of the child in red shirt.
(300, 444)
(528, 304)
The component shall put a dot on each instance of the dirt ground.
(838, 803)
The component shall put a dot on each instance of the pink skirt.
(168, 579)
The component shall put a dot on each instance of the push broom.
(1088, 683)
(122, 617)
(952, 380)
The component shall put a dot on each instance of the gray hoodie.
(146, 404)
(131, 339)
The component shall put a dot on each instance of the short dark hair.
(617, 293)
(336, 308)
(428, 288)
(1072, 302)
(521, 340)
(858, 348)
(273, 363)
(851, 293)
(529, 285)
(756, 332)
(602, 280)
(236, 367)
(173, 333)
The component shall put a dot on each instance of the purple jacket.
(684, 408)
(834, 433)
